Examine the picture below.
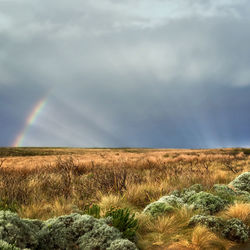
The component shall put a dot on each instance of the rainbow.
(30, 120)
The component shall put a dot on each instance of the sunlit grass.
(239, 210)
(126, 179)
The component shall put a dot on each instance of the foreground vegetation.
(177, 200)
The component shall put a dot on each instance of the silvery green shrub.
(215, 224)
(75, 230)
(206, 202)
(72, 231)
(157, 208)
(18, 232)
(243, 196)
(100, 237)
(221, 188)
(62, 232)
(196, 187)
(224, 192)
(122, 244)
(176, 193)
(235, 230)
(186, 194)
(172, 200)
(6, 246)
(242, 182)
(175, 199)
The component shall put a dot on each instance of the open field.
(40, 183)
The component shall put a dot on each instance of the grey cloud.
(126, 75)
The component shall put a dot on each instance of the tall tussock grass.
(70, 186)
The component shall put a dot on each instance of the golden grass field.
(44, 182)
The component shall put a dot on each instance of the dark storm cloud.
(160, 74)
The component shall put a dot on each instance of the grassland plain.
(41, 183)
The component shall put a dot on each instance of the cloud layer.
(153, 74)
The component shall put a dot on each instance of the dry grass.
(240, 211)
(201, 239)
(45, 210)
(161, 231)
(44, 186)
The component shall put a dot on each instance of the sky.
(109, 73)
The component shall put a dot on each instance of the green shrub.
(69, 231)
(78, 231)
(18, 232)
(72, 231)
(6, 246)
(243, 196)
(175, 193)
(215, 224)
(124, 221)
(242, 182)
(100, 236)
(157, 208)
(235, 230)
(166, 204)
(172, 200)
(94, 211)
(186, 194)
(196, 188)
(206, 202)
(122, 244)
(225, 193)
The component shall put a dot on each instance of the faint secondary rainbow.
(30, 120)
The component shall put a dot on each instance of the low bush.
(243, 196)
(225, 193)
(6, 246)
(233, 229)
(206, 202)
(18, 232)
(123, 220)
(172, 200)
(64, 232)
(196, 188)
(192, 196)
(242, 182)
(122, 244)
(157, 208)
(215, 224)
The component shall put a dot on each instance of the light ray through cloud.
(143, 73)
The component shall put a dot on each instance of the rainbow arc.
(30, 120)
